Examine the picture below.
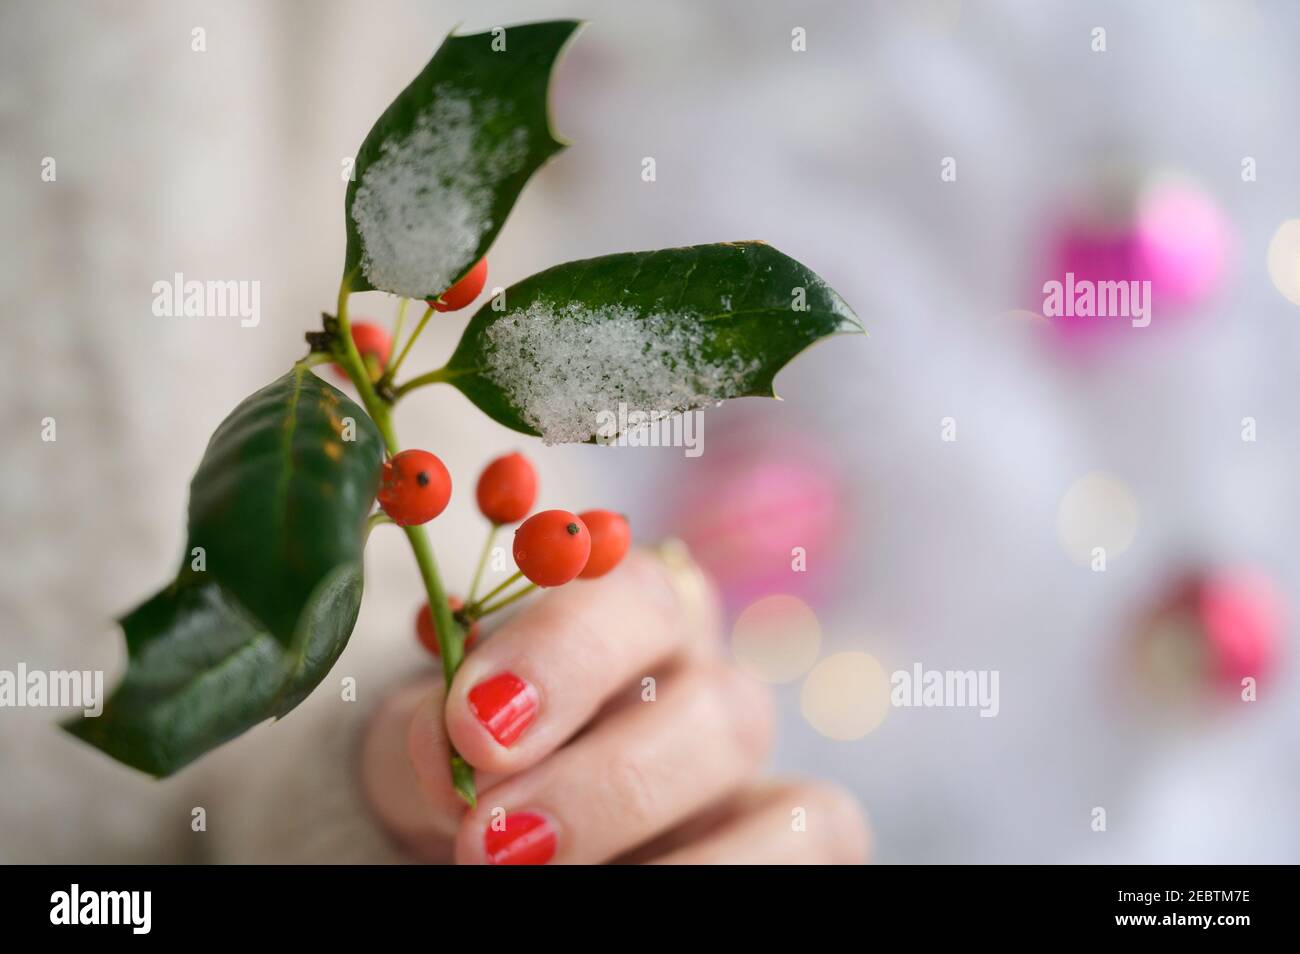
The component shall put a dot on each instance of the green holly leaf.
(437, 175)
(646, 332)
(281, 496)
(271, 583)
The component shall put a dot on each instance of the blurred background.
(949, 478)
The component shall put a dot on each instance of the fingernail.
(506, 705)
(525, 839)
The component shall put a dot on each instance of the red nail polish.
(505, 704)
(527, 839)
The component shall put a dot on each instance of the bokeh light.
(776, 638)
(1284, 260)
(846, 696)
(1183, 240)
(1097, 511)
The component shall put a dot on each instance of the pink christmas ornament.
(1216, 630)
(1243, 617)
(770, 521)
(1164, 231)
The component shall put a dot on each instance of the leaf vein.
(287, 457)
(686, 279)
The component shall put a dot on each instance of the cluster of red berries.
(376, 345)
(551, 547)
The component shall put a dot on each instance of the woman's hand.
(605, 726)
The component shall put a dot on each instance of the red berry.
(428, 633)
(610, 538)
(552, 547)
(507, 489)
(415, 487)
(375, 346)
(464, 291)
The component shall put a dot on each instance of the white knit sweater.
(225, 164)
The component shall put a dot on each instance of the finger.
(409, 802)
(542, 676)
(788, 824)
(630, 777)
(405, 774)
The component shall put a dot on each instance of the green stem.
(375, 519)
(474, 607)
(452, 647)
(429, 377)
(482, 562)
(451, 638)
(314, 359)
(406, 349)
(502, 603)
(451, 654)
(397, 325)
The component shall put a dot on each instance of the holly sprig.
(282, 504)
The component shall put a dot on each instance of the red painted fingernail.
(526, 839)
(506, 705)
